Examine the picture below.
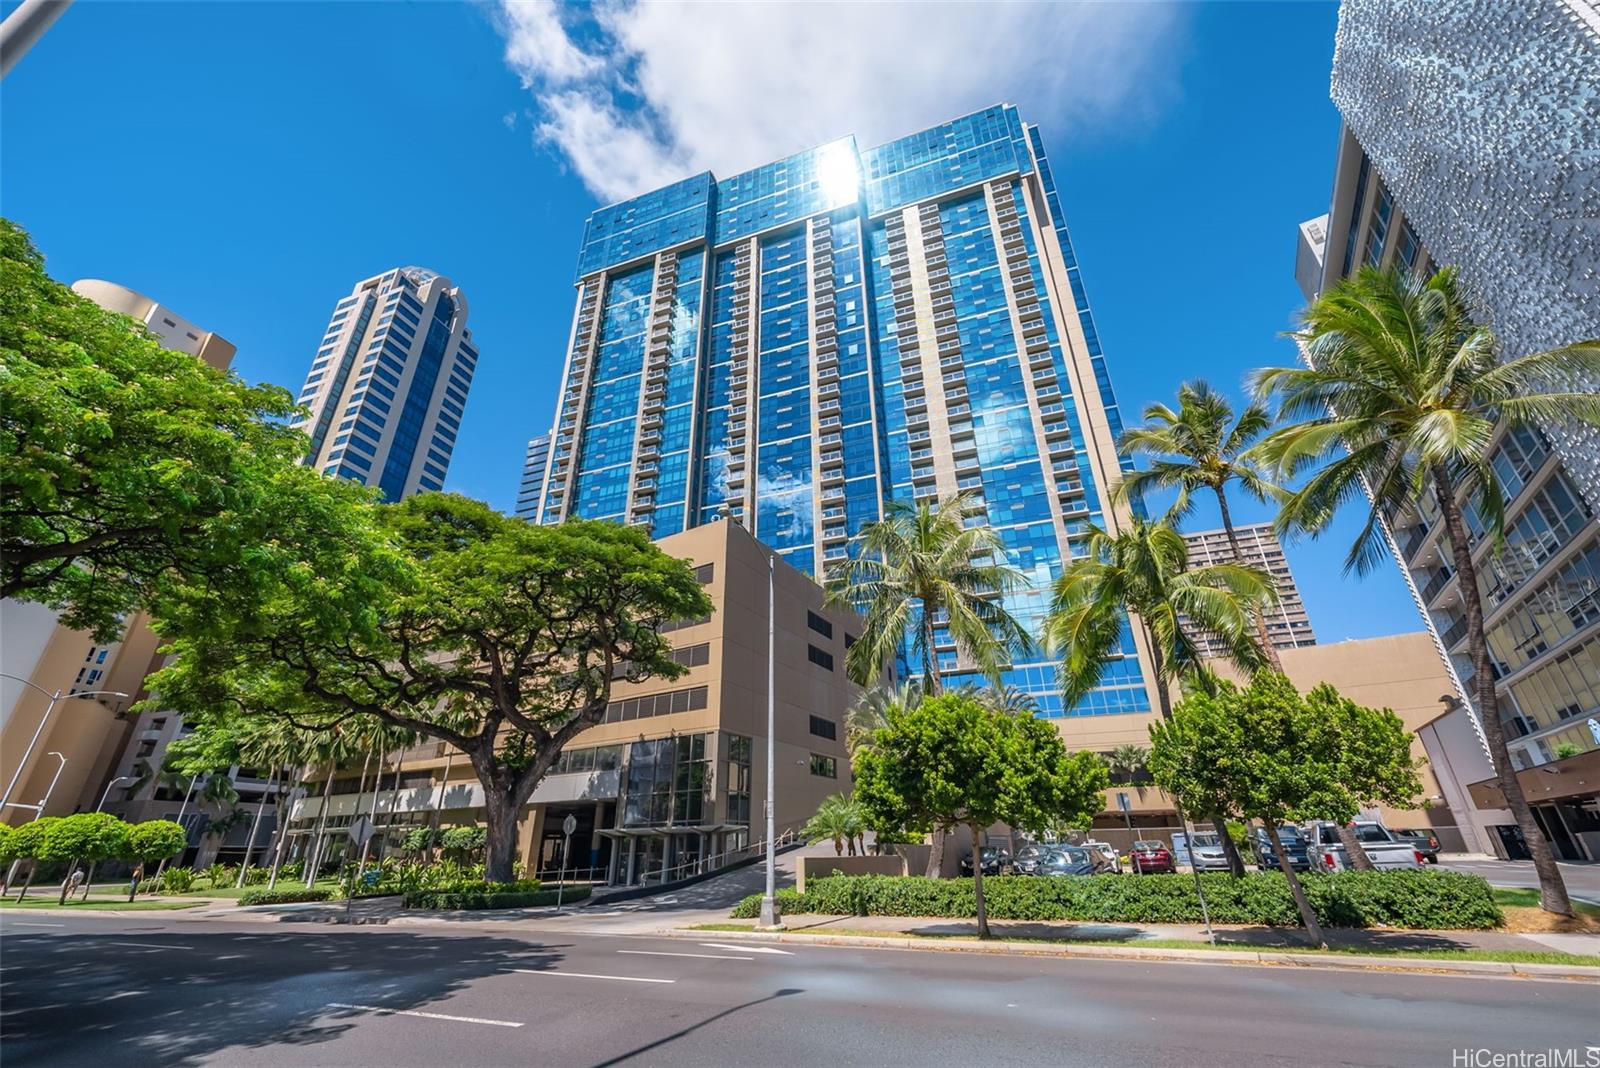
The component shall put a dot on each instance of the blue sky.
(247, 163)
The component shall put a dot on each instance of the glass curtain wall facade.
(389, 382)
(794, 347)
(533, 469)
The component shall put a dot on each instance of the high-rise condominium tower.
(533, 468)
(1472, 138)
(1288, 626)
(796, 346)
(389, 382)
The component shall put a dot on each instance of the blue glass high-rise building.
(795, 346)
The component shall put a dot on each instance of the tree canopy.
(952, 760)
(121, 463)
(441, 616)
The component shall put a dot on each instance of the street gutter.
(1260, 958)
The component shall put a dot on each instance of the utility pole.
(769, 900)
(23, 27)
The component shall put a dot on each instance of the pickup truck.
(1386, 851)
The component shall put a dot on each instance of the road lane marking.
(381, 1011)
(142, 945)
(746, 949)
(25, 923)
(588, 975)
(662, 953)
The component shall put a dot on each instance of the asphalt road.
(150, 990)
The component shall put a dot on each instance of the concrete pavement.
(1583, 880)
(156, 989)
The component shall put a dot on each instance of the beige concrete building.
(673, 781)
(41, 657)
(1288, 626)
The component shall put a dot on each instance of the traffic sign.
(361, 829)
(569, 825)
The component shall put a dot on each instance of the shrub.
(221, 875)
(293, 869)
(152, 841)
(254, 876)
(464, 841)
(1418, 899)
(282, 897)
(173, 881)
(494, 896)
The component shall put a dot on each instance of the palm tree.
(1202, 446)
(1401, 395)
(869, 713)
(921, 565)
(1128, 760)
(1012, 700)
(839, 818)
(1144, 570)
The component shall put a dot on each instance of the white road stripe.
(380, 1010)
(746, 949)
(587, 975)
(25, 923)
(143, 945)
(662, 953)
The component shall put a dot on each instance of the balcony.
(1439, 580)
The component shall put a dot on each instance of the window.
(824, 728)
(656, 704)
(824, 766)
(681, 623)
(693, 656)
(818, 624)
(819, 658)
(704, 573)
(849, 640)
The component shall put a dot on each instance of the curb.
(1263, 958)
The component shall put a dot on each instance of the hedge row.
(491, 899)
(282, 897)
(1420, 899)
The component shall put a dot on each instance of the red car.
(1150, 857)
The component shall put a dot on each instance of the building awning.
(651, 832)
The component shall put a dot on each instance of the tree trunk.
(33, 869)
(936, 853)
(1552, 888)
(133, 887)
(500, 849)
(1353, 852)
(313, 858)
(281, 829)
(66, 882)
(1229, 850)
(977, 880)
(930, 673)
(88, 880)
(372, 817)
(1307, 916)
(250, 843)
(1267, 649)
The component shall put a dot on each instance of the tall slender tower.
(389, 382)
(533, 468)
(796, 346)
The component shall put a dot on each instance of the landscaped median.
(1426, 899)
(526, 893)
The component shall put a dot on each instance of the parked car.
(1203, 852)
(1425, 842)
(1151, 856)
(1066, 860)
(993, 860)
(1385, 851)
(1026, 862)
(1104, 855)
(1294, 846)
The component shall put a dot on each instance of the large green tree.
(1268, 752)
(1203, 446)
(953, 760)
(1144, 570)
(90, 836)
(151, 842)
(121, 463)
(445, 618)
(1400, 401)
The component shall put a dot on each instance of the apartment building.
(389, 382)
(1288, 626)
(533, 468)
(673, 780)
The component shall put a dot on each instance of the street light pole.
(39, 730)
(179, 821)
(769, 900)
(53, 780)
(109, 785)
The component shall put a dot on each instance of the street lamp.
(53, 780)
(769, 900)
(51, 707)
(109, 785)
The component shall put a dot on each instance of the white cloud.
(635, 95)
